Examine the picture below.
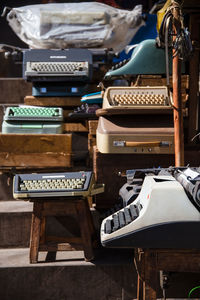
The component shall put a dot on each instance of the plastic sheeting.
(75, 25)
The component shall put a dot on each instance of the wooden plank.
(5, 187)
(13, 90)
(157, 80)
(91, 144)
(35, 150)
(61, 239)
(92, 124)
(52, 101)
(35, 231)
(177, 261)
(74, 127)
(60, 247)
(59, 208)
(86, 228)
(35, 143)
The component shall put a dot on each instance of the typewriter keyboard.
(34, 113)
(122, 218)
(131, 99)
(52, 184)
(59, 67)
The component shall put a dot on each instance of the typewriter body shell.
(35, 120)
(114, 133)
(32, 127)
(166, 218)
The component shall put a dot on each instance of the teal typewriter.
(146, 59)
(66, 184)
(32, 119)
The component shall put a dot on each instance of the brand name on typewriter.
(57, 56)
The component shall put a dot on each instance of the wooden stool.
(76, 207)
(149, 262)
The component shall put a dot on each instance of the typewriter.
(32, 119)
(57, 65)
(57, 72)
(165, 214)
(65, 72)
(129, 134)
(146, 59)
(69, 184)
(119, 98)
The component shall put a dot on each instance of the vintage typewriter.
(59, 65)
(134, 134)
(128, 100)
(57, 72)
(55, 185)
(135, 120)
(165, 214)
(32, 119)
(65, 72)
(146, 59)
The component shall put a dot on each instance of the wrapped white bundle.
(75, 25)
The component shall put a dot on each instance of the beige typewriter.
(121, 135)
(127, 99)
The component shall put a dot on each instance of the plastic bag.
(75, 25)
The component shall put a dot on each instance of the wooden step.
(112, 276)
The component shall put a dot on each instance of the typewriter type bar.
(55, 185)
(137, 97)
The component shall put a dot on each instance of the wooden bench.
(61, 207)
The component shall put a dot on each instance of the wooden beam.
(52, 101)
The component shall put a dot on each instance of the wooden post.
(178, 115)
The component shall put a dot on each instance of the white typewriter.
(118, 97)
(162, 216)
